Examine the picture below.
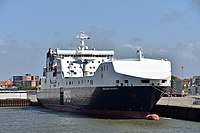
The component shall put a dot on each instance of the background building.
(194, 88)
(179, 86)
(27, 80)
(5, 83)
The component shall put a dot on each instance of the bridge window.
(145, 81)
(101, 68)
(91, 82)
(101, 75)
(125, 81)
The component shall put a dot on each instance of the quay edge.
(178, 108)
(177, 112)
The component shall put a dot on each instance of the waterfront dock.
(10, 98)
(14, 102)
(185, 108)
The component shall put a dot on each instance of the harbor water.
(39, 120)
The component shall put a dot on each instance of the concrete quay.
(186, 101)
(178, 108)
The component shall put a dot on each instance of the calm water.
(40, 120)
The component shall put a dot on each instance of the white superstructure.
(86, 67)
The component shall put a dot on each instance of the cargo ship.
(93, 82)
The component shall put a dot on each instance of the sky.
(168, 29)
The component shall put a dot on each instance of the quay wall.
(178, 108)
(14, 102)
(15, 98)
(177, 112)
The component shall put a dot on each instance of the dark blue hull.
(125, 98)
(117, 100)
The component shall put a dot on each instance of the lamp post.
(182, 79)
(182, 71)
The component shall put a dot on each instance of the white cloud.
(4, 52)
(172, 16)
(194, 5)
(102, 38)
(2, 43)
(133, 47)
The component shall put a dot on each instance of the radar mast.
(82, 36)
(140, 53)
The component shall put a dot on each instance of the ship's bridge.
(79, 63)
